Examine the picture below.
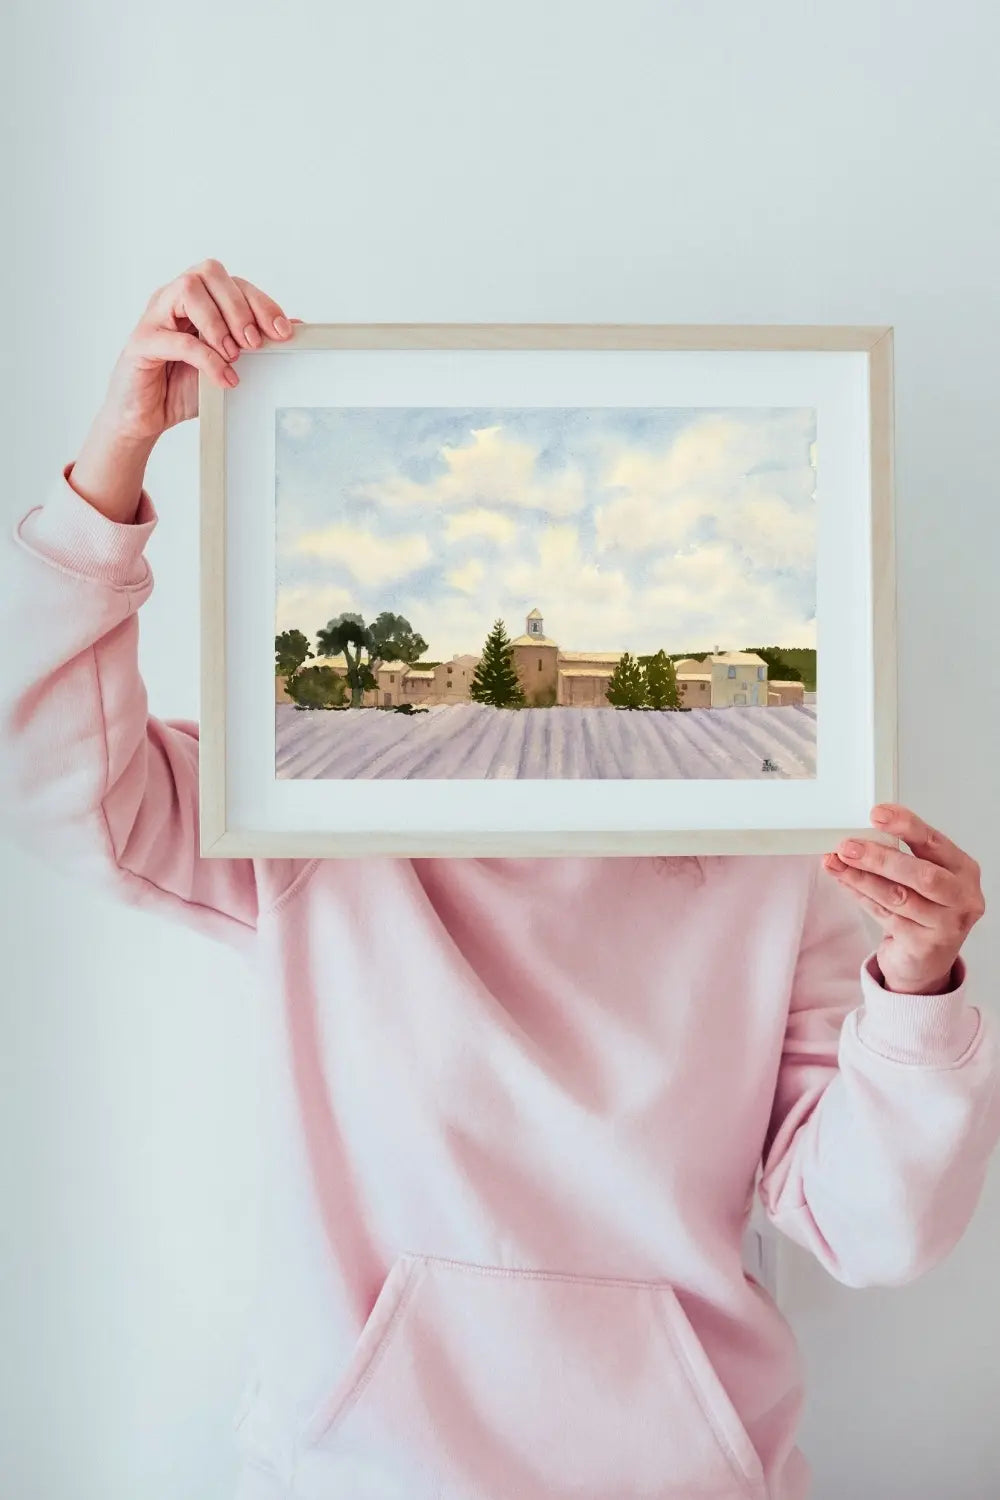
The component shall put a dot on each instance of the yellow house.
(739, 678)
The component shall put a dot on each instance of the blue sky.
(630, 529)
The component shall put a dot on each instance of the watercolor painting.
(545, 592)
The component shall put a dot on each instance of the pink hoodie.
(514, 1109)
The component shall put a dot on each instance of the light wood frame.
(218, 839)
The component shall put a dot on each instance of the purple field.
(476, 742)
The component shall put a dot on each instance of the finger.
(232, 302)
(893, 897)
(168, 345)
(269, 316)
(931, 880)
(196, 310)
(891, 925)
(927, 842)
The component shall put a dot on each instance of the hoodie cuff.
(70, 532)
(928, 1029)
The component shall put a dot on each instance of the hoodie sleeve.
(886, 1109)
(90, 780)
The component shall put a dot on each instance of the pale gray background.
(635, 161)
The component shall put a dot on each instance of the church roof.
(533, 640)
(535, 614)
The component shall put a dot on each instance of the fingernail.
(231, 376)
(230, 347)
(851, 851)
(282, 327)
(252, 336)
(881, 815)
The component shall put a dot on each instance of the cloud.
(710, 597)
(491, 469)
(296, 424)
(479, 522)
(639, 520)
(468, 577)
(370, 558)
(308, 608)
(749, 483)
(707, 539)
(771, 532)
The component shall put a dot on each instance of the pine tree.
(495, 680)
(627, 688)
(661, 682)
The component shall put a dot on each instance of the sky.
(630, 529)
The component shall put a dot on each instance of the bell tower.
(534, 624)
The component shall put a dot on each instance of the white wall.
(526, 160)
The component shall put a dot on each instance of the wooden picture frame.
(242, 815)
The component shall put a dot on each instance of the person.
(516, 1111)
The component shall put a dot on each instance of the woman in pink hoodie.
(511, 1149)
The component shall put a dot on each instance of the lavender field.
(476, 742)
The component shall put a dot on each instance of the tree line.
(648, 681)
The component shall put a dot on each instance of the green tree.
(394, 639)
(661, 682)
(495, 679)
(317, 687)
(365, 647)
(291, 650)
(627, 688)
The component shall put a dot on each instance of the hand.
(925, 901)
(200, 321)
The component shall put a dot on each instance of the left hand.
(925, 901)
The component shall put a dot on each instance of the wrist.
(110, 469)
(916, 984)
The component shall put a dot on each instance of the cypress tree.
(495, 680)
(627, 688)
(661, 682)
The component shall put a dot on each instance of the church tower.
(536, 661)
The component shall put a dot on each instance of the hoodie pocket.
(480, 1383)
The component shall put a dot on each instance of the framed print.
(515, 590)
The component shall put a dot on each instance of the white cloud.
(372, 559)
(308, 609)
(640, 520)
(297, 424)
(479, 522)
(709, 597)
(747, 482)
(490, 469)
(771, 532)
(468, 577)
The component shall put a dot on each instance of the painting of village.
(545, 592)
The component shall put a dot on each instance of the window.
(732, 671)
(392, 677)
(539, 664)
(760, 673)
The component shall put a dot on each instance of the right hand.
(200, 321)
